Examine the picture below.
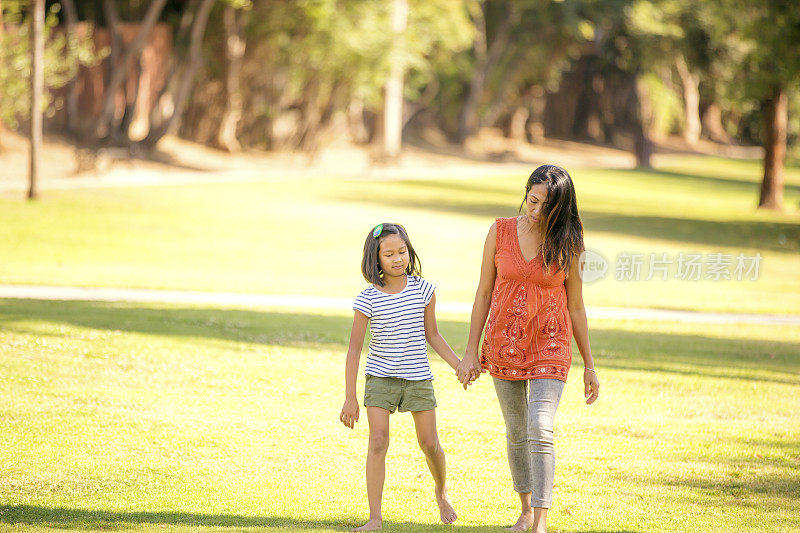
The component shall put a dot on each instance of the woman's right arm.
(480, 309)
(350, 410)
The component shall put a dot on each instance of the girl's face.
(534, 203)
(393, 255)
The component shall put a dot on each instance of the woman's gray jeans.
(529, 408)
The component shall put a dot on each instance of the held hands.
(469, 369)
(349, 415)
(591, 386)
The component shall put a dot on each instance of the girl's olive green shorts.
(398, 393)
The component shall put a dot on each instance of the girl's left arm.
(435, 339)
(580, 329)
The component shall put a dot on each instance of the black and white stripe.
(397, 324)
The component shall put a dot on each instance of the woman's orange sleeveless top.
(529, 331)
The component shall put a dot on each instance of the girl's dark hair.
(560, 226)
(371, 266)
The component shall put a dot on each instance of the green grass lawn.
(150, 418)
(304, 235)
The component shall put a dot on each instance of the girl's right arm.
(349, 414)
(470, 366)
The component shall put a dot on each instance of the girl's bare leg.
(425, 424)
(376, 465)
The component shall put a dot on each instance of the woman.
(530, 288)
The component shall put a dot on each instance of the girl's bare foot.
(446, 511)
(524, 522)
(373, 524)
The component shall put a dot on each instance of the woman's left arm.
(580, 329)
(435, 339)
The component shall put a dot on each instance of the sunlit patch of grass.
(305, 235)
(131, 417)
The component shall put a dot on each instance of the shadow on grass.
(238, 325)
(761, 235)
(772, 444)
(60, 517)
(696, 355)
(758, 234)
(748, 183)
(740, 489)
(648, 351)
(79, 519)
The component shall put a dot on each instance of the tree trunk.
(71, 19)
(467, 118)
(423, 103)
(485, 59)
(173, 123)
(37, 92)
(501, 103)
(165, 95)
(393, 110)
(2, 29)
(691, 101)
(514, 128)
(643, 146)
(776, 111)
(311, 116)
(234, 52)
(534, 129)
(122, 132)
(120, 73)
(356, 122)
(712, 124)
(112, 19)
(116, 132)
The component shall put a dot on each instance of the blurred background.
(242, 75)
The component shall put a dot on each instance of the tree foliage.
(609, 70)
(63, 55)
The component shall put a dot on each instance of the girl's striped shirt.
(397, 348)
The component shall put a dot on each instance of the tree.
(180, 93)
(330, 58)
(487, 54)
(393, 107)
(71, 17)
(670, 36)
(37, 88)
(235, 45)
(2, 32)
(103, 125)
(770, 30)
(61, 60)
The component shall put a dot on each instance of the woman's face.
(534, 203)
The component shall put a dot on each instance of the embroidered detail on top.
(529, 373)
(513, 331)
(552, 330)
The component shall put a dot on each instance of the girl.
(530, 288)
(399, 306)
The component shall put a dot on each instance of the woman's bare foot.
(446, 511)
(524, 522)
(373, 524)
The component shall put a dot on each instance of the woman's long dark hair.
(560, 226)
(371, 266)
